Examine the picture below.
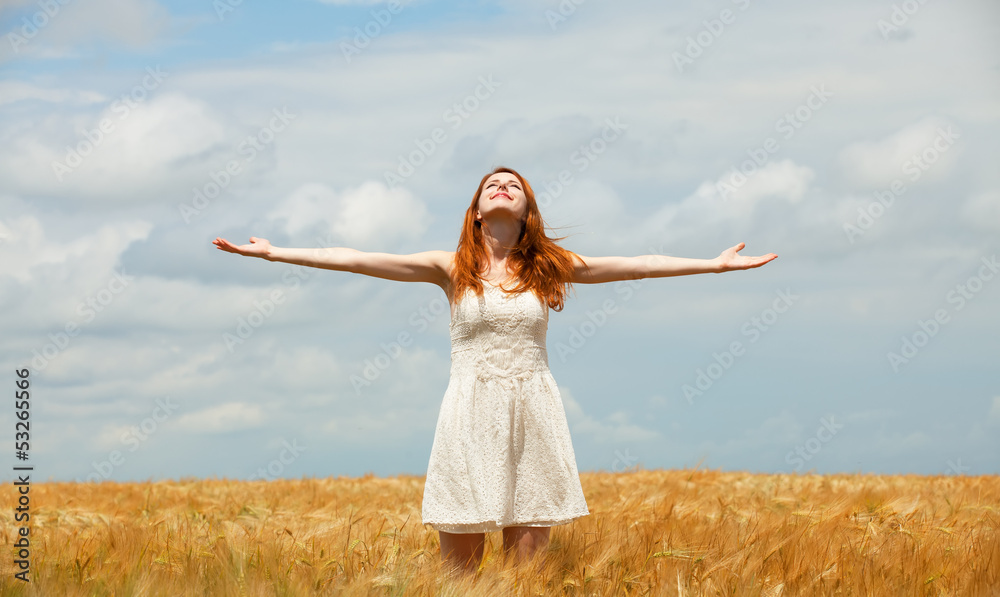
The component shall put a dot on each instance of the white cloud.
(230, 416)
(164, 129)
(982, 211)
(26, 248)
(110, 437)
(878, 163)
(711, 202)
(14, 91)
(148, 146)
(616, 428)
(305, 207)
(782, 179)
(370, 215)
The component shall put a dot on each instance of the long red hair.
(538, 263)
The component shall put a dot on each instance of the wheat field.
(678, 532)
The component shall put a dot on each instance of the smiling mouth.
(501, 194)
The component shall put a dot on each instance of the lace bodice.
(500, 334)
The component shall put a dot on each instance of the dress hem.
(490, 526)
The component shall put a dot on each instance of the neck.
(500, 236)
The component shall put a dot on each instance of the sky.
(856, 140)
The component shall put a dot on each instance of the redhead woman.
(502, 457)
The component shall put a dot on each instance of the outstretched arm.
(428, 266)
(596, 270)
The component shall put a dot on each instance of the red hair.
(538, 263)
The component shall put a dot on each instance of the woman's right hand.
(258, 247)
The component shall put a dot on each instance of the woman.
(502, 457)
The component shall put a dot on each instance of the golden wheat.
(670, 533)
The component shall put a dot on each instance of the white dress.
(502, 454)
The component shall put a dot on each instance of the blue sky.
(856, 141)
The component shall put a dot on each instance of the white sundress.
(502, 454)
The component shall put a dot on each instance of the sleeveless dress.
(502, 454)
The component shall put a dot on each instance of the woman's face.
(503, 195)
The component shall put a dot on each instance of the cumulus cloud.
(615, 428)
(925, 149)
(111, 436)
(27, 247)
(230, 416)
(782, 180)
(729, 198)
(119, 154)
(366, 216)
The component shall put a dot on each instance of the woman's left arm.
(597, 270)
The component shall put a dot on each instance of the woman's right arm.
(429, 266)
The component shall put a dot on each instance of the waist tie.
(489, 372)
(523, 368)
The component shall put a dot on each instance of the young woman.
(502, 457)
